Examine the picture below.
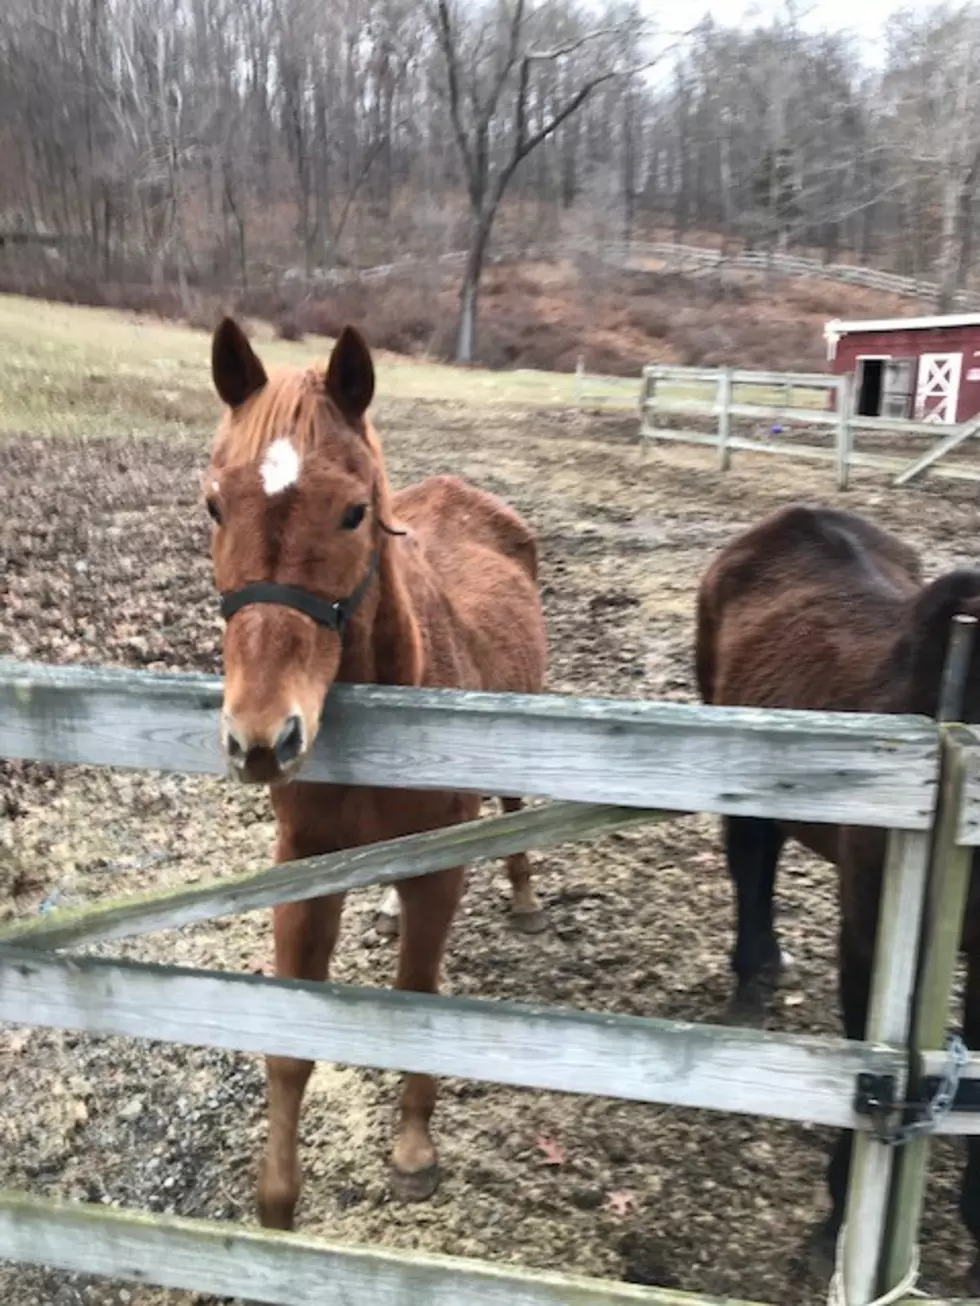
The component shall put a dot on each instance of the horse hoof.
(277, 1215)
(786, 962)
(529, 922)
(416, 1185)
(746, 1007)
(820, 1255)
(387, 927)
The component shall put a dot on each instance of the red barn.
(924, 368)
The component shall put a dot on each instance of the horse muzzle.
(266, 756)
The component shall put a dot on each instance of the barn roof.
(837, 328)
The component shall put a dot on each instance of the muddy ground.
(104, 559)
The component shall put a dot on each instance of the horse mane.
(295, 402)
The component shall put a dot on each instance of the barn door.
(939, 387)
(896, 389)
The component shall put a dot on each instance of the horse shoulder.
(447, 508)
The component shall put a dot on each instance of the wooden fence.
(790, 404)
(603, 764)
(595, 391)
(690, 260)
(696, 260)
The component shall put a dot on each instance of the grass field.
(83, 371)
(93, 372)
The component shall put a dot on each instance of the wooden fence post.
(949, 881)
(647, 401)
(724, 417)
(843, 430)
(893, 982)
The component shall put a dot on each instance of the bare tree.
(489, 64)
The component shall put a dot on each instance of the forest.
(157, 150)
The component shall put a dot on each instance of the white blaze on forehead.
(280, 467)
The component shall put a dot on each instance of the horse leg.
(775, 958)
(305, 937)
(428, 906)
(970, 1186)
(855, 989)
(752, 848)
(387, 921)
(527, 914)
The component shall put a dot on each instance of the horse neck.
(384, 645)
(922, 647)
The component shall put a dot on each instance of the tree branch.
(447, 44)
(524, 144)
(560, 51)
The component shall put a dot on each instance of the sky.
(865, 19)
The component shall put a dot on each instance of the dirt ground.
(103, 550)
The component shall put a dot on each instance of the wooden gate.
(603, 764)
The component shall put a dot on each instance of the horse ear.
(350, 374)
(235, 367)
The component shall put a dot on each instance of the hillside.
(543, 315)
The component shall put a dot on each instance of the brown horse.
(326, 575)
(819, 609)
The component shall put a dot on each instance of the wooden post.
(949, 883)
(843, 430)
(647, 402)
(724, 417)
(962, 637)
(579, 381)
(892, 985)
(949, 878)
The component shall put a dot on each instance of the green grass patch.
(88, 371)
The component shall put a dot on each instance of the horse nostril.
(289, 745)
(233, 745)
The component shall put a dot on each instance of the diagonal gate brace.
(939, 450)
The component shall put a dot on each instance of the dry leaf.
(552, 1152)
(619, 1202)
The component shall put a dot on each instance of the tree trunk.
(964, 222)
(948, 262)
(470, 292)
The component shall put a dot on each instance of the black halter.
(335, 615)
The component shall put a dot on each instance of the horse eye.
(214, 511)
(353, 516)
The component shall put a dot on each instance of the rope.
(837, 1294)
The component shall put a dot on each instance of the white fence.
(827, 404)
(695, 260)
(653, 761)
(594, 391)
(691, 260)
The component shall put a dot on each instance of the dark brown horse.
(326, 575)
(819, 609)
